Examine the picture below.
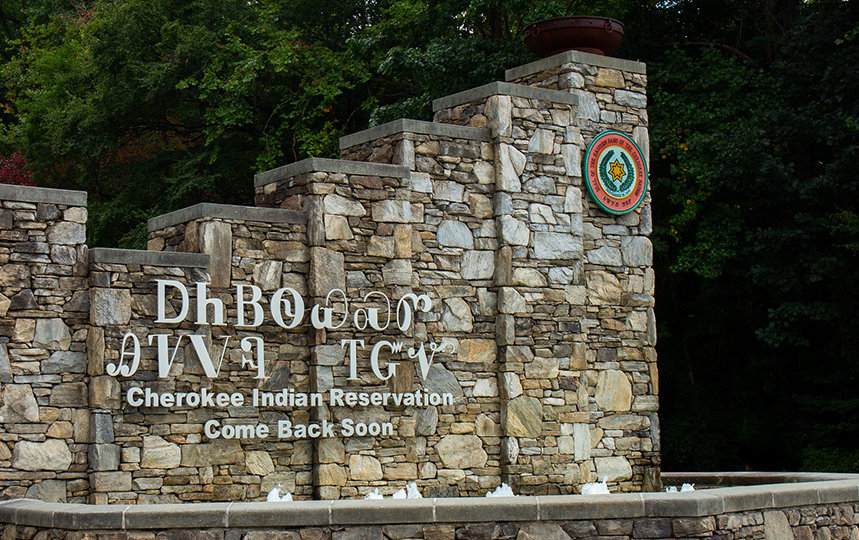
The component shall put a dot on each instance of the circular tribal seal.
(615, 172)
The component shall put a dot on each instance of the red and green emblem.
(615, 172)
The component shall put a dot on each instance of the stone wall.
(43, 330)
(806, 511)
(541, 326)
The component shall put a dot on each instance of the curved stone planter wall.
(824, 509)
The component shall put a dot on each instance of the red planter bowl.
(597, 35)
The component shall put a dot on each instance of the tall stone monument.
(445, 304)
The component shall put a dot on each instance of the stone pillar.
(43, 334)
(615, 362)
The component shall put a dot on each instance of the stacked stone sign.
(445, 304)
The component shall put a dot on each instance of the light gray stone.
(216, 239)
(341, 206)
(485, 388)
(511, 164)
(65, 362)
(776, 526)
(381, 246)
(324, 378)
(550, 245)
(456, 316)
(392, 211)
(542, 531)
(422, 183)
(440, 380)
(581, 442)
(510, 450)
(542, 368)
(461, 451)
(573, 135)
(327, 271)
(5, 367)
(397, 272)
(53, 334)
(645, 225)
(478, 265)
(651, 326)
(337, 228)
(603, 288)
(455, 234)
(448, 190)
(608, 256)
(109, 307)
(541, 142)
(48, 491)
(542, 185)
(612, 469)
(484, 426)
(498, 110)
(357, 279)
(524, 417)
(541, 213)
(630, 99)
(637, 251)
(267, 275)
(561, 275)
(19, 404)
(512, 385)
(510, 301)
(51, 455)
(528, 277)
(614, 391)
(329, 355)
(67, 232)
(625, 422)
(572, 156)
(642, 139)
(514, 232)
(101, 428)
(485, 172)
(426, 421)
(111, 481)
(103, 457)
(588, 107)
(571, 79)
(159, 453)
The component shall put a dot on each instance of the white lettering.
(256, 296)
(203, 303)
(162, 301)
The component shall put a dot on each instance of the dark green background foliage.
(151, 105)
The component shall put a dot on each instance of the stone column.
(617, 427)
(43, 333)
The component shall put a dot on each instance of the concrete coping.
(225, 211)
(504, 89)
(68, 197)
(407, 125)
(148, 258)
(344, 166)
(28, 512)
(574, 57)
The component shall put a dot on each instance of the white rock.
(341, 206)
(514, 232)
(455, 234)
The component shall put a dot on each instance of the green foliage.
(151, 105)
(753, 179)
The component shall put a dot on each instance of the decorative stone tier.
(809, 510)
